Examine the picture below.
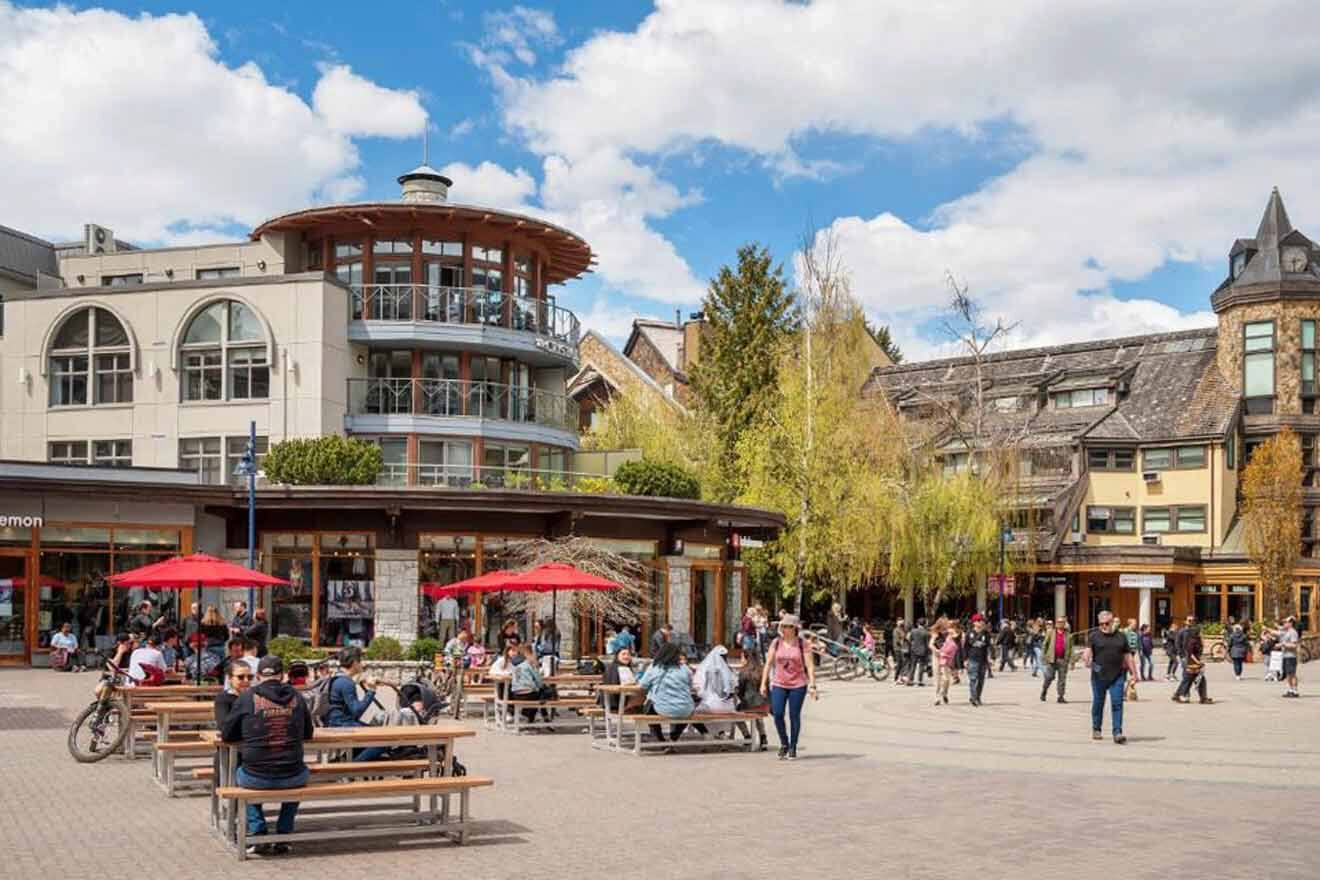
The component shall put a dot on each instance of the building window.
(1006, 404)
(444, 462)
(225, 355)
(345, 250)
(1185, 518)
(1081, 397)
(90, 337)
(1173, 458)
(121, 280)
(216, 274)
(1230, 452)
(956, 463)
(67, 452)
(112, 453)
(1111, 520)
(392, 246)
(1308, 358)
(1258, 367)
(442, 248)
(235, 448)
(202, 454)
(1110, 459)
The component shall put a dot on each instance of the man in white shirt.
(250, 655)
(446, 618)
(147, 655)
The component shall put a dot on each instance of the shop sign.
(1141, 581)
(1051, 580)
(1242, 589)
(1208, 589)
(1001, 584)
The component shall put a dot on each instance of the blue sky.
(1084, 172)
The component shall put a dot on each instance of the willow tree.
(1272, 514)
(943, 533)
(823, 453)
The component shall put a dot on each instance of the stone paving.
(887, 785)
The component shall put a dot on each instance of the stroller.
(418, 704)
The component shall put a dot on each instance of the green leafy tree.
(1272, 515)
(323, 461)
(822, 453)
(656, 479)
(749, 311)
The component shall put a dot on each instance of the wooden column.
(368, 275)
(506, 317)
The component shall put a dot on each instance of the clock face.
(1295, 259)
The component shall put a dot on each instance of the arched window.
(224, 354)
(91, 360)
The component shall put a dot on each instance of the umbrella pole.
(201, 642)
(554, 638)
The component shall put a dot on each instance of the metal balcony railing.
(456, 397)
(464, 305)
(452, 476)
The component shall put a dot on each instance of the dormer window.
(1006, 404)
(1081, 397)
(1239, 263)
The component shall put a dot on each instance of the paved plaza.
(886, 785)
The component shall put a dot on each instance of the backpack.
(317, 697)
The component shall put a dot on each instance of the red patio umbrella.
(491, 580)
(198, 570)
(553, 577)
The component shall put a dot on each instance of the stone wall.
(680, 593)
(396, 594)
(733, 599)
(1287, 318)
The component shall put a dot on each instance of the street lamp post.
(1005, 535)
(247, 467)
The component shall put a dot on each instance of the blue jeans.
(1115, 691)
(975, 678)
(375, 753)
(792, 698)
(1035, 660)
(256, 819)
(1147, 666)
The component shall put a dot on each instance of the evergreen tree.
(883, 338)
(749, 312)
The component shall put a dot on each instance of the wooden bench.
(175, 777)
(517, 724)
(745, 736)
(348, 820)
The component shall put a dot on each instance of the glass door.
(14, 643)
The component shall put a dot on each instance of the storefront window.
(1206, 608)
(13, 595)
(289, 556)
(1241, 602)
(705, 625)
(445, 559)
(74, 564)
(347, 566)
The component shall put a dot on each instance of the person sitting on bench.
(345, 707)
(271, 721)
(621, 671)
(528, 684)
(668, 687)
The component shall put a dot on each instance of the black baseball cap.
(270, 665)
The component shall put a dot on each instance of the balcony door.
(445, 299)
(390, 389)
(440, 384)
(391, 298)
(486, 394)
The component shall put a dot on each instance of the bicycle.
(105, 721)
(852, 661)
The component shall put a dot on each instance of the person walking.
(1056, 658)
(1289, 641)
(1238, 646)
(1193, 667)
(1007, 641)
(789, 674)
(919, 649)
(446, 618)
(977, 653)
(1146, 651)
(901, 655)
(1133, 636)
(1109, 657)
(945, 657)
(1180, 643)
(1171, 650)
(1035, 644)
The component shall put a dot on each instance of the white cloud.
(515, 35)
(490, 185)
(356, 106)
(1155, 134)
(136, 123)
(461, 129)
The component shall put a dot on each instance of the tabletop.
(404, 734)
(182, 706)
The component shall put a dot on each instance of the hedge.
(656, 479)
(323, 461)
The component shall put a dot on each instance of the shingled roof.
(1163, 386)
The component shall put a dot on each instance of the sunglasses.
(247, 677)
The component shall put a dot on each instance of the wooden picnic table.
(168, 712)
(139, 697)
(330, 739)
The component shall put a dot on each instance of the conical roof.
(1275, 224)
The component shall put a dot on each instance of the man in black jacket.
(271, 721)
(977, 650)
(918, 648)
(258, 631)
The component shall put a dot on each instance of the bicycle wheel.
(98, 731)
(846, 667)
(879, 669)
